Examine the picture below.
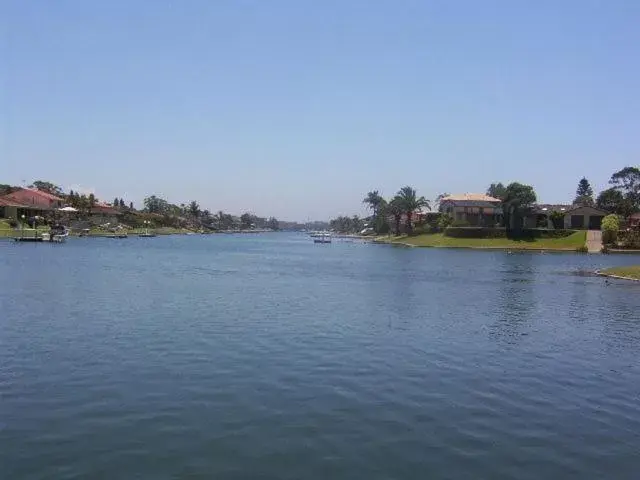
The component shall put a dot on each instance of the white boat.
(324, 238)
(56, 235)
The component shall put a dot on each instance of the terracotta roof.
(469, 197)
(45, 194)
(8, 202)
(35, 191)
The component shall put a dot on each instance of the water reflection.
(515, 297)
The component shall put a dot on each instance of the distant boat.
(57, 235)
(147, 234)
(323, 238)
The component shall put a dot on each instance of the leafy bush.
(557, 219)
(582, 249)
(629, 238)
(610, 227)
(488, 232)
(460, 223)
(444, 221)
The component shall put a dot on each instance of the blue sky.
(297, 108)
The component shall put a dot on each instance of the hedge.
(488, 232)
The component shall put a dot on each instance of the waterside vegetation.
(571, 242)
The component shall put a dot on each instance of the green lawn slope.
(570, 243)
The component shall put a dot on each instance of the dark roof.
(548, 208)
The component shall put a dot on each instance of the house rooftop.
(548, 207)
(40, 193)
(8, 202)
(470, 197)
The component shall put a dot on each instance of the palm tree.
(373, 200)
(395, 208)
(410, 202)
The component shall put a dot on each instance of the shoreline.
(534, 246)
(617, 273)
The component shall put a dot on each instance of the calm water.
(271, 357)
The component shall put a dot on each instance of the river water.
(268, 356)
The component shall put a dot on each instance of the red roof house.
(32, 197)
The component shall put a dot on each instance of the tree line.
(621, 198)
(165, 213)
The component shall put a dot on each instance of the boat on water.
(319, 234)
(57, 234)
(147, 235)
(324, 238)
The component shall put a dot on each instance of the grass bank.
(631, 272)
(570, 243)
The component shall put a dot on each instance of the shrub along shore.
(494, 238)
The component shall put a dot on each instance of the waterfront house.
(34, 198)
(103, 213)
(15, 210)
(573, 217)
(473, 209)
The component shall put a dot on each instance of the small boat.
(324, 238)
(57, 234)
(147, 235)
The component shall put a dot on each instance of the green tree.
(246, 221)
(273, 223)
(6, 189)
(48, 187)
(131, 206)
(610, 227)
(497, 190)
(517, 199)
(396, 209)
(613, 200)
(194, 209)
(122, 204)
(410, 202)
(373, 200)
(154, 204)
(91, 201)
(116, 202)
(220, 219)
(439, 199)
(627, 182)
(584, 193)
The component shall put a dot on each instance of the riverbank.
(438, 240)
(631, 272)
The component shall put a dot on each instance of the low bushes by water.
(488, 232)
(629, 239)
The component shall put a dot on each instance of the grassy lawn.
(569, 243)
(632, 271)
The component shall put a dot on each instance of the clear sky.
(297, 108)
